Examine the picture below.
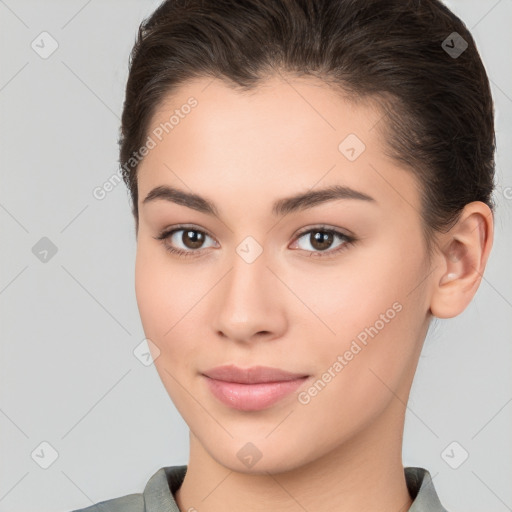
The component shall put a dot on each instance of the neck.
(365, 473)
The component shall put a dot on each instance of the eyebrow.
(281, 207)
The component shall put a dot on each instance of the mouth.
(251, 389)
(252, 375)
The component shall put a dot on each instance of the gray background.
(70, 324)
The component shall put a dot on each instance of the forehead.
(287, 134)
(293, 108)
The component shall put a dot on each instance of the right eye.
(190, 238)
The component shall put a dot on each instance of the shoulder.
(158, 494)
(128, 503)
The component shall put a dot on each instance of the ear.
(461, 259)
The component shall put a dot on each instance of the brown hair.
(439, 115)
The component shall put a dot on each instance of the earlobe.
(461, 260)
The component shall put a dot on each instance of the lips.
(252, 389)
(252, 375)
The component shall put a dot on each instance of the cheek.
(372, 357)
(350, 295)
(149, 291)
(163, 303)
(163, 292)
(373, 311)
(168, 299)
(158, 298)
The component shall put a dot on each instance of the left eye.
(321, 239)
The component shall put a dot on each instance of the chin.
(258, 457)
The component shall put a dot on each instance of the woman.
(311, 184)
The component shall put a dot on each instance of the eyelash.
(348, 240)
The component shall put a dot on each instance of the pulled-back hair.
(438, 115)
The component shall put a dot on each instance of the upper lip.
(252, 375)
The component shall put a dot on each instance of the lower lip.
(252, 397)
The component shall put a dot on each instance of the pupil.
(192, 239)
(323, 239)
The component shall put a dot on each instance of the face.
(333, 289)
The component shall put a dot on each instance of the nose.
(249, 303)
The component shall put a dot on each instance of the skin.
(243, 151)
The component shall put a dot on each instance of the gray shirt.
(158, 495)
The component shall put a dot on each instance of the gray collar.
(159, 491)
(421, 489)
